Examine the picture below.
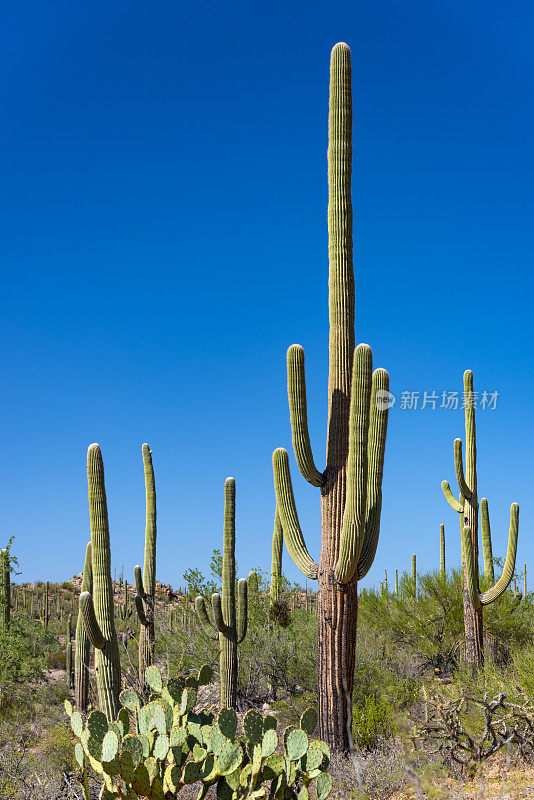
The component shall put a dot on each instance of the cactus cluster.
(154, 750)
(229, 624)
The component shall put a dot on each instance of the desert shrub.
(23, 646)
(372, 722)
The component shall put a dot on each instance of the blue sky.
(163, 240)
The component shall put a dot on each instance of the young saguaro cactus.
(358, 400)
(68, 653)
(5, 576)
(467, 507)
(97, 608)
(82, 647)
(442, 570)
(145, 585)
(230, 617)
(46, 606)
(276, 559)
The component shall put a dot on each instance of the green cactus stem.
(414, 575)
(525, 580)
(5, 576)
(82, 649)
(276, 559)
(230, 616)
(146, 586)
(396, 583)
(442, 570)
(468, 506)
(68, 653)
(46, 606)
(386, 581)
(252, 582)
(97, 608)
(351, 494)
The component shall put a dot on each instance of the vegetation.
(165, 699)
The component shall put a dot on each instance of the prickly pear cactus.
(154, 750)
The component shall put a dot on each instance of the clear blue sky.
(163, 240)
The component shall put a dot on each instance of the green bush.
(372, 722)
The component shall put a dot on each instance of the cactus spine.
(276, 559)
(467, 507)
(357, 419)
(146, 586)
(82, 648)
(5, 575)
(442, 569)
(230, 617)
(97, 608)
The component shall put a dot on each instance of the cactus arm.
(450, 498)
(140, 610)
(276, 560)
(218, 615)
(487, 549)
(353, 526)
(485, 598)
(242, 610)
(459, 467)
(92, 628)
(298, 413)
(285, 501)
(375, 468)
(139, 588)
(509, 564)
(207, 626)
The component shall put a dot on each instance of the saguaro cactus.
(442, 569)
(414, 575)
(467, 507)
(82, 648)
(230, 617)
(351, 494)
(97, 608)
(276, 559)
(146, 585)
(68, 653)
(46, 606)
(5, 575)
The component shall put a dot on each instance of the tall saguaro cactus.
(442, 570)
(467, 507)
(230, 617)
(350, 485)
(82, 648)
(146, 585)
(97, 608)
